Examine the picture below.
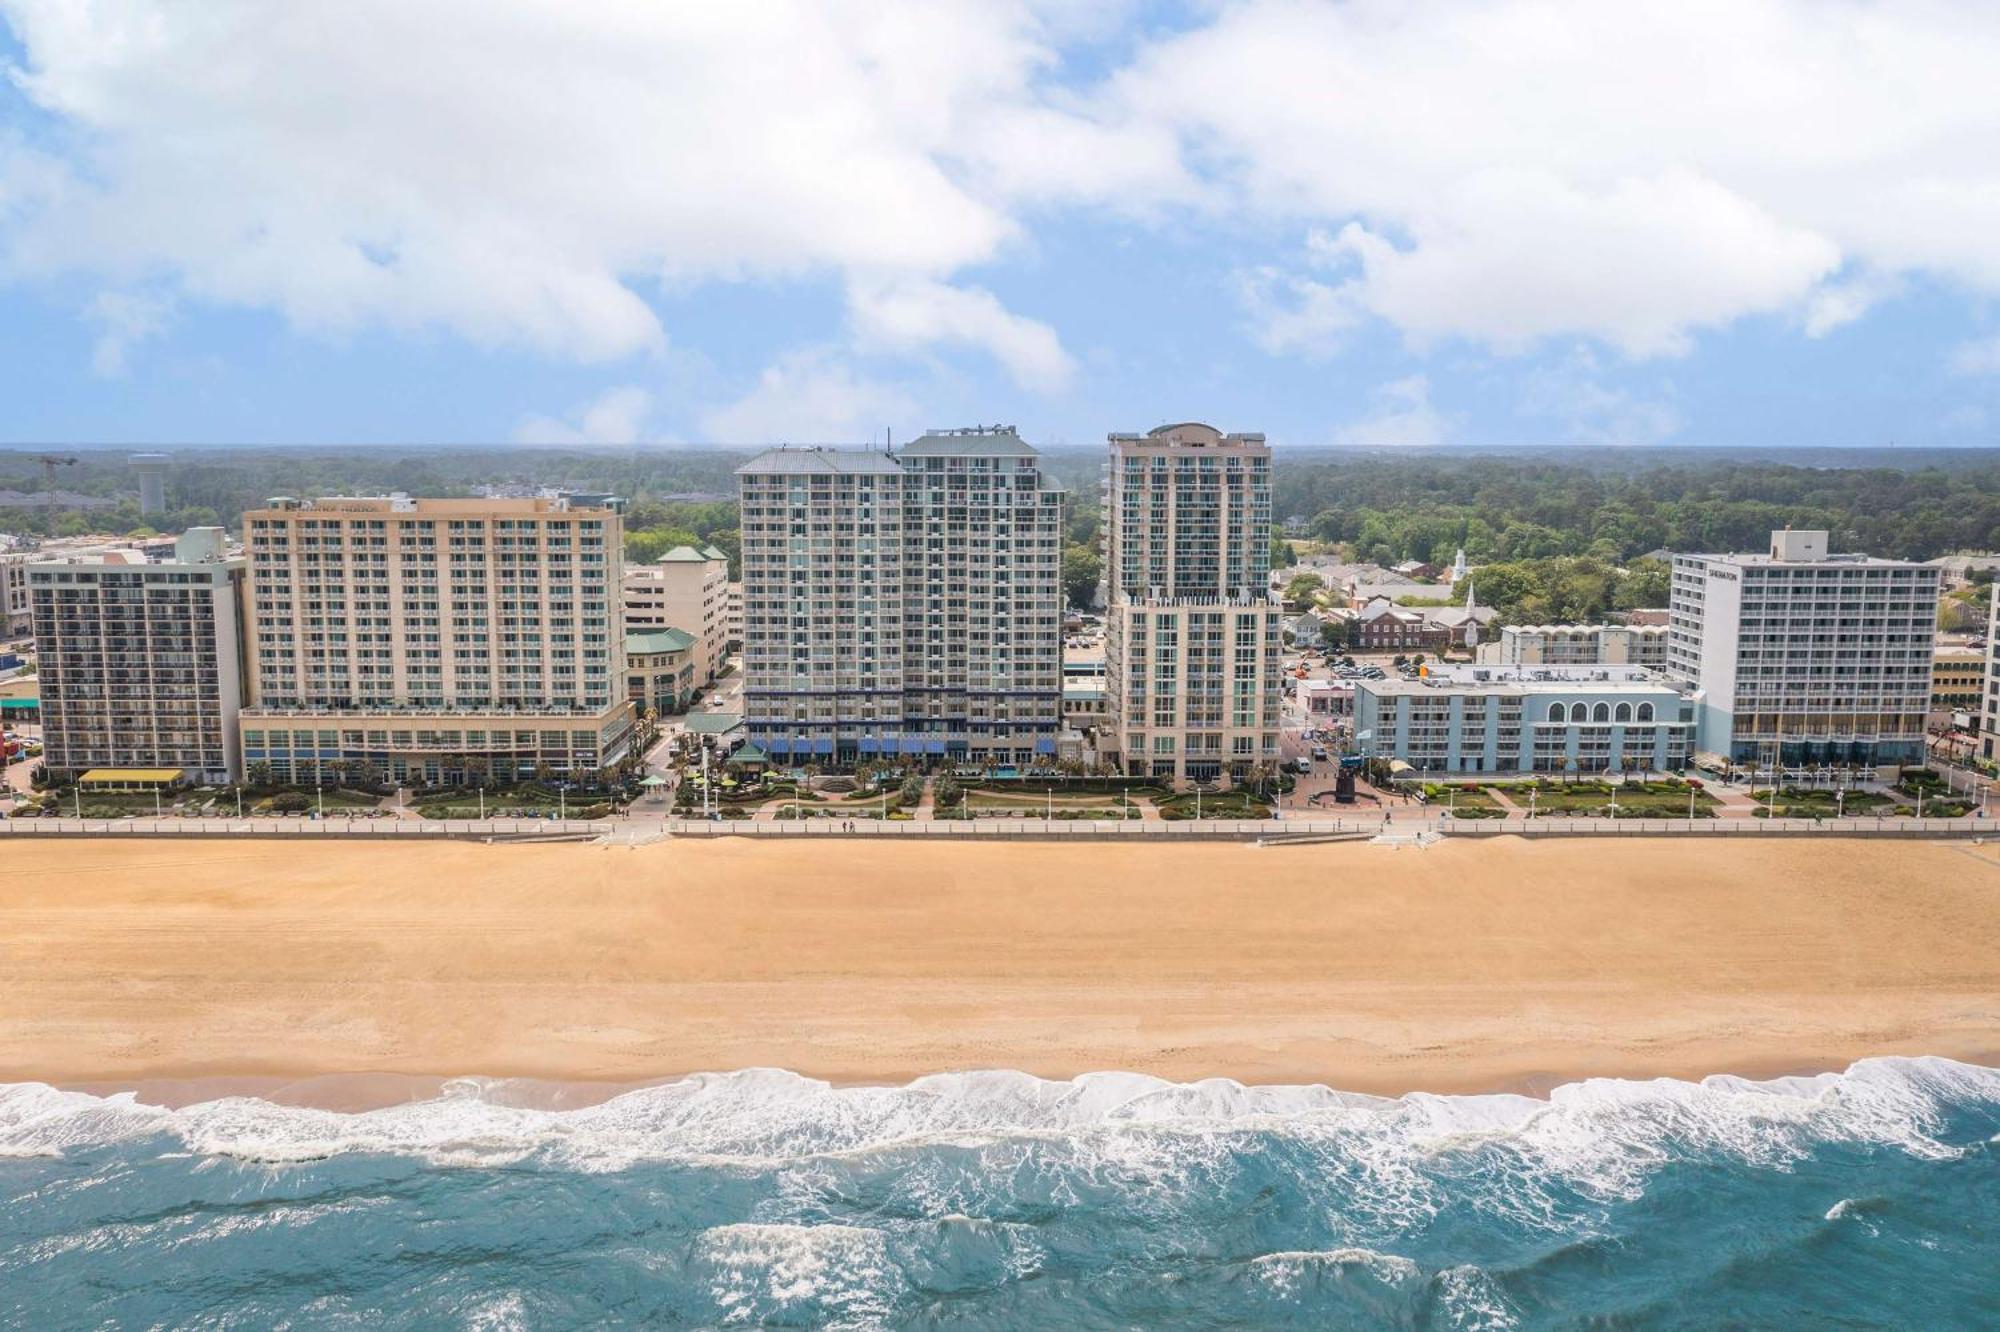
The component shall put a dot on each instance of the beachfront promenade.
(640, 830)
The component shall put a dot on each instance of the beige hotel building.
(435, 640)
(1191, 627)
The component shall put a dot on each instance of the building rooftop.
(1654, 629)
(440, 507)
(658, 640)
(970, 442)
(683, 555)
(1190, 434)
(1527, 679)
(843, 462)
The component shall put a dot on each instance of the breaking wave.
(765, 1198)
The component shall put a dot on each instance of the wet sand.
(192, 968)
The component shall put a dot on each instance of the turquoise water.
(996, 1200)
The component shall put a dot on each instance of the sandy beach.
(1466, 966)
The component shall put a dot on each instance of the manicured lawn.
(1636, 800)
(1800, 804)
(1461, 798)
(1038, 802)
(1222, 805)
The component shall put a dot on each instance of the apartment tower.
(1805, 657)
(435, 640)
(1192, 630)
(141, 664)
(903, 604)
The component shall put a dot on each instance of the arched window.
(1622, 713)
(1557, 712)
(1602, 712)
(1645, 712)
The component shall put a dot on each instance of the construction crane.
(49, 462)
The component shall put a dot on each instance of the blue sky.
(1494, 222)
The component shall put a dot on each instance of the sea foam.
(1601, 1132)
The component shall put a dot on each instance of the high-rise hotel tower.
(435, 640)
(903, 605)
(1192, 638)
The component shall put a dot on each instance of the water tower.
(152, 470)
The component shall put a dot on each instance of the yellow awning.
(130, 777)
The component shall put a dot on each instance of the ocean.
(1864, 1199)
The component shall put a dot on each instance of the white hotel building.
(1805, 655)
(905, 604)
(1551, 720)
(1191, 627)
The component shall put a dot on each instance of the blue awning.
(1045, 745)
(870, 746)
(934, 747)
(910, 744)
(822, 746)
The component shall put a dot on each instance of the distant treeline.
(1606, 505)
(1508, 509)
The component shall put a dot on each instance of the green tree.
(1302, 586)
(1081, 570)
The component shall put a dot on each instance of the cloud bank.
(525, 173)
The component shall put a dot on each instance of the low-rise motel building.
(1550, 720)
(435, 641)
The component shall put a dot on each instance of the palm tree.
(260, 773)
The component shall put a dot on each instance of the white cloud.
(520, 172)
(1591, 412)
(809, 396)
(1837, 304)
(1404, 418)
(123, 319)
(1292, 313)
(524, 172)
(905, 314)
(617, 416)
(1512, 171)
(1981, 356)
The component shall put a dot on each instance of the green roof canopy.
(713, 723)
(659, 640)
